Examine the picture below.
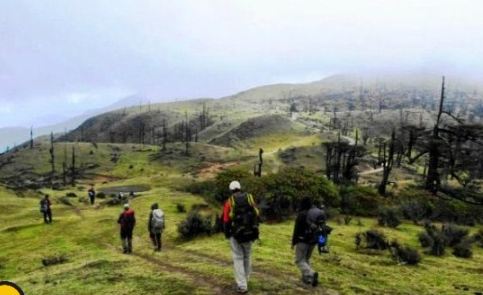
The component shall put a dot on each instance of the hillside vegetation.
(331, 140)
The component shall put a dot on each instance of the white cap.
(126, 205)
(234, 185)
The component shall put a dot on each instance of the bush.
(195, 225)
(425, 240)
(180, 208)
(389, 217)
(418, 204)
(101, 195)
(278, 195)
(454, 234)
(433, 239)
(71, 195)
(347, 219)
(463, 249)
(371, 239)
(478, 237)
(53, 260)
(360, 200)
(415, 210)
(404, 254)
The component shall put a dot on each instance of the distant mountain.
(10, 136)
(333, 93)
(230, 114)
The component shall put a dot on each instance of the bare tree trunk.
(433, 179)
(73, 171)
(387, 164)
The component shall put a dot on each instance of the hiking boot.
(315, 280)
(240, 290)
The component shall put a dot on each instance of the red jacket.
(226, 212)
(127, 220)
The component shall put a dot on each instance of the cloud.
(69, 52)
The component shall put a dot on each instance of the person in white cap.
(240, 223)
(127, 221)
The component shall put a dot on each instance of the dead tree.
(433, 180)
(72, 168)
(31, 138)
(187, 137)
(341, 160)
(64, 167)
(257, 169)
(165, 135)
(52, 159)
(387, 163)
(453, 149)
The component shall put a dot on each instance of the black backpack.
(244, 216)
(316, 225)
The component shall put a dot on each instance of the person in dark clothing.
(127, 221)
(156, 226)
(45, 209)
(304, 239)
(92, 195)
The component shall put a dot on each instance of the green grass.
(89, 238)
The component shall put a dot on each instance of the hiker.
(305, 237)
(156, 226)
(127, 221)
(240, 223)
(92, 195)
(45, 209)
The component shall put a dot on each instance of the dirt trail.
(198, 278)
(212, 169)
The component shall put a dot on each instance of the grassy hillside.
(122, 151)
(88, 238)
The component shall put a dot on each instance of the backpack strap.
(232, 206)
(251, 202)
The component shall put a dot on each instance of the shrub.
(389, 217)
(478, 237)
(454, 234)
(404, 254)
(463, 249)
(433, 239)
(360, 200)
(425, 240)
(415, 210)
(101, 195)
(52, 260)
(180, 208)
(71, 195)
(277, 194)
(371, 239)
(347, 219)
(205, 188)
(194, 225)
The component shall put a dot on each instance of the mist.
(61, 58)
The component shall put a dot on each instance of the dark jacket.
(300, 229)
(45, 204)
(127, 220)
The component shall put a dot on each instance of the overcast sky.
(60, 58)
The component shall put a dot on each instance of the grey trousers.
(241, 262)
(303, 252)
